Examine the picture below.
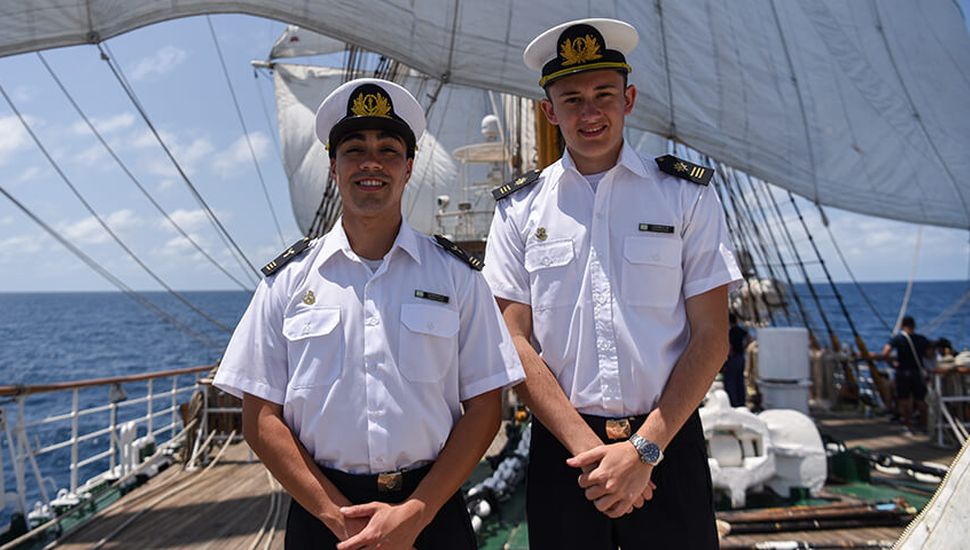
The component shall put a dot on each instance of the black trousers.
(680, 515)
(451, 528)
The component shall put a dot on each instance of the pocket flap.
(311, 322)
(428, 319)
(653, 251)
(549, 254)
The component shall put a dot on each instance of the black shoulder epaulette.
(518, 183)
(286, 256)
(472, 261)
(701, 175)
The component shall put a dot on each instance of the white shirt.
(606, 283)
(370, 376)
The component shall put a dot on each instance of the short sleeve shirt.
(371, 368)
(607, 273)
(904, 353)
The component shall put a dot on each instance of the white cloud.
(92, 156)
(20, 245)
(188, 156)
(104, 125)
(237, 156)
(190, 220)
(89, 231)
(13, 137)
(163, 61)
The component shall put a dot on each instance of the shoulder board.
(472, 261)
(292, 252)
(524, 180)
(701, 175)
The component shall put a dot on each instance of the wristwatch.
(649, 451)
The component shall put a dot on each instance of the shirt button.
(430, 325)
(546, 260)
(372, 321)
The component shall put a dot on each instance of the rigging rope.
(94, 265)
(220, 229)
(845, 264)
(242, 122)
(860, 344)
(909, 284)
(102, 223)
(132, 177)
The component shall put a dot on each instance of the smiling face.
(371, 168)
(589, 108)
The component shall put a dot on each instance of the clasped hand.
(387, 526)
(614, 478)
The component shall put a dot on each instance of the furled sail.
(859, 105)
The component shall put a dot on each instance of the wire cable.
(103, 224)
(242, 122)
(132, 177)
(220, 229)
(94, 265)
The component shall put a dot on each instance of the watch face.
(651, 452)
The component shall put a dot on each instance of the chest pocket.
(652, 273)
(550, 265)
(315, 346)
(428, 342)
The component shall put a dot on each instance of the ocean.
(58, 337)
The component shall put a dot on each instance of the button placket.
(374, 344)
(609, 373)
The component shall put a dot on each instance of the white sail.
(454, 120)
(858, 105)
(297, 42)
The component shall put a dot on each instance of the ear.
(333, 168)
(630, 94)
(407, 176)
(548, 110)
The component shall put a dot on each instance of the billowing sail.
(859, 105)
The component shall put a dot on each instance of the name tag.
(656, 228)
(431, 296)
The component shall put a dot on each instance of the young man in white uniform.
(618, 267)
(371, 360)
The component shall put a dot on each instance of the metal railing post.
(150, 407)
(74, 414)
(111, 442)
(174, 409)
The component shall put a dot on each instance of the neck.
(595, 165)
(371, 237)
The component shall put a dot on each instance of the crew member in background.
(732, 373)
(912, 351)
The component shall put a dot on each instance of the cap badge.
(581, 49)
(541, 234)
(371, 105)
(308, 298)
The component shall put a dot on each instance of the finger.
(585, 481)
(604, 503)
(587, 458)
(359, 511)
(595, 492)
(653, 486)
(358, 541)
(618, 510)
(638, 503)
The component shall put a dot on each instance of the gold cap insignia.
(308, 298)
(371, 105)
(581, 49)
(541, 233)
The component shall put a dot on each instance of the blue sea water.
(56, 337)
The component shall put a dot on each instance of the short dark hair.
(410, 149)
(909, 322)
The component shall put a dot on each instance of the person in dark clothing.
(732, 373)
(911, 350)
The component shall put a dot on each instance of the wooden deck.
(236, 505)
(230, 506)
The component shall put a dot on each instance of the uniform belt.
(401, 481)
(614, 429)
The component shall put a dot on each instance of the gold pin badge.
(541, 234)
(308, 298)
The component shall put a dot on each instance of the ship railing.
(161, 418)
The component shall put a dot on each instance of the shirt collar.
(628, 158)
(336, 241)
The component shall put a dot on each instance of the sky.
(174, 70)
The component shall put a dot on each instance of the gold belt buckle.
(390, 481)
(618, 429)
